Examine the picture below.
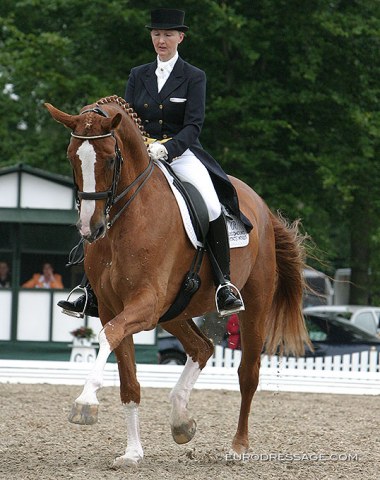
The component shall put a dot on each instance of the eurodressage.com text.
(293, 457)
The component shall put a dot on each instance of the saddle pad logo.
(237, 233)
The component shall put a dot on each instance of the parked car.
(365, 317)
(170, 349)
(329, 333)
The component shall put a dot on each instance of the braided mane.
(128, 110)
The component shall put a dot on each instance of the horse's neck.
(134, 152)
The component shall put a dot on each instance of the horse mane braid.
(127, 108)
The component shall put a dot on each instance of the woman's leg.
(190, 169)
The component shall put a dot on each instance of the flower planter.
(82, 350)
(81, 342)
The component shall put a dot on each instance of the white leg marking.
(95, 379)
(87, 156)
(180, 395)
(134, 452)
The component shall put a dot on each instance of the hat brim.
(166, 26)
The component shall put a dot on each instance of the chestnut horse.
(137, 254)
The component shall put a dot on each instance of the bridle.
(110, 194)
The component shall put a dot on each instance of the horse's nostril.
(94, 234)
(100, 231)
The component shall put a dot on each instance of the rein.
(110, 194)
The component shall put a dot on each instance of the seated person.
(5, 277)
(46, 279)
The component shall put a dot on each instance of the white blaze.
(87, 156)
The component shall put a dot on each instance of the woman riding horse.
(169, 97)
(119, 186)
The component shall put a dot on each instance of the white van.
(366, 318)
(321, 291)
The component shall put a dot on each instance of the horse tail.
(287, 331)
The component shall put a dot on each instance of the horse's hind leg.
(199, 349)
(252, 323)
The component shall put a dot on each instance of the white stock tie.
(162, 73)
(163, 70)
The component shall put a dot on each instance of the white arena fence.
(358, 373)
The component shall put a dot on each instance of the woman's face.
(47, 270)
(165, 43)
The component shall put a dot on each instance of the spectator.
(5, 277)
(46, 279)
(233, 331)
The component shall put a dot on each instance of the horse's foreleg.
(199, 349)
(85, 407)
(130, 398)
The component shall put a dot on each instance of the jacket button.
(164, 135)
(160, 122)
(161, 107)
(146, 121)
(146, 105)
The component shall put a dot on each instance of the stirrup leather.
(77, 314)
(223, 313)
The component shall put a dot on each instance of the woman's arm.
(57, 281)
(31, 283)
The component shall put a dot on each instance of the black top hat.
(167, 19)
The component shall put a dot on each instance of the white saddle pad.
(238, 235)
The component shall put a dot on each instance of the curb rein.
(110, 194)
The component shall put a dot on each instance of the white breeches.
(190, 169)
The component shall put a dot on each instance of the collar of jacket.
(174, 81)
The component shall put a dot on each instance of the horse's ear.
(116, 120)
(70, 121)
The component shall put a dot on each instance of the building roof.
(23, 167)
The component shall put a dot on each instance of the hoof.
(185, 432)
(130, 459)
(239, 448)
(83, 414)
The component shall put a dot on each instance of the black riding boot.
(217, 239)
(79, 305)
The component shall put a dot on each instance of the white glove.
(157, 151)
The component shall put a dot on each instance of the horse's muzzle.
(96, 232)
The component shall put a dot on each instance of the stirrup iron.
(224, 313)
(71, 313)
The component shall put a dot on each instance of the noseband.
(110, 194)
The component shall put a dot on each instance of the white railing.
(355, 374)
(367, 361)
